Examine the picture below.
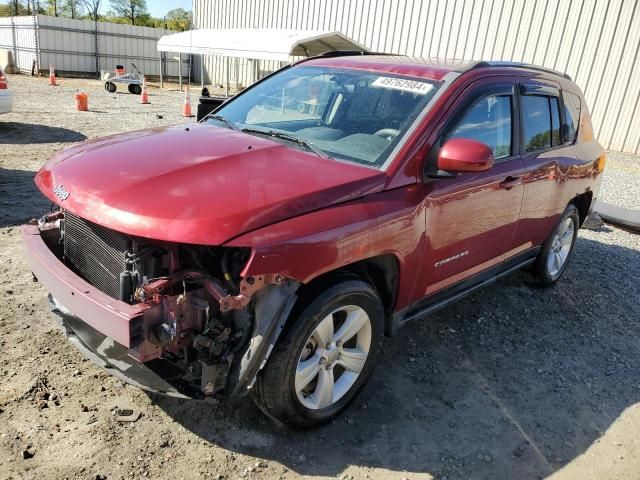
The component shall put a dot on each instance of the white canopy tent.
(256, 44)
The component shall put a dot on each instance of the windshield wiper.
(289, 137)
(228, 123)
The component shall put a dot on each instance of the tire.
(275, 391)
(135, 89)
(545, 271)
(110, 87)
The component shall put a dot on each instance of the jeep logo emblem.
(61, 193)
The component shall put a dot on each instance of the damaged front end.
(182, 312)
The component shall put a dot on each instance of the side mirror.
(465, 155)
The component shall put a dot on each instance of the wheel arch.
(381, 272)
(583, 203)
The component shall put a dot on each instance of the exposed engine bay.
(208, 330)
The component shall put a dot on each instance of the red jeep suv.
(269, 248)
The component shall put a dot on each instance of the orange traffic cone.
(186, 107)
(144, 96)
(52, 76)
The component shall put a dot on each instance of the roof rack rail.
(346, 53)
(496, 63)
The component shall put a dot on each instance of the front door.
(471, 218)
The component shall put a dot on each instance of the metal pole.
(180, 69)
(15, 45)
(226, 85)
(97, 49)
(36, 67)
(236, 65)
(201, 71)
(161, 76)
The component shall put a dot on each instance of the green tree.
(132, 10)
(93, 8)
(72, 8)
(178, 19)
(13, 8)
(539, 141)
(52, 7)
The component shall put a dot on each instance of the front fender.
(305, 247)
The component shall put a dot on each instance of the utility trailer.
(133, 80)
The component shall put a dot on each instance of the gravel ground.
(621, 182)
(512, 382)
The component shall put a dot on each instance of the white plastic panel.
(70, 45)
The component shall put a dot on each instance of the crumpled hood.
(197, 184)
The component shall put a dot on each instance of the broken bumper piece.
(109, 332)
(189, 341)
(111, 356)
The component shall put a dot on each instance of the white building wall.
(596, 42)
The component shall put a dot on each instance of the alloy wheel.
(560, 247)
(333, 357)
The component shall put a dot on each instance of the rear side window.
(555, 121)
(489, 122)
(572, 115)
(537, 122)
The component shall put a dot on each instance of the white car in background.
(6, 96)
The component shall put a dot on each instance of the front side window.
(537, 122)
(489, 122)
(348, 114)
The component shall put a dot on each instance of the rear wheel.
(110, 87)
(557, 250)
(324, 357)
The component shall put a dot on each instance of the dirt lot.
(512, 382)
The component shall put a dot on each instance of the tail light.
(600, 163)
(3, 81)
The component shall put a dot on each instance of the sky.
(157, 8)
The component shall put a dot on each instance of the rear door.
(472, 217)
(548, 157)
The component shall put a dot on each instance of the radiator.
(96, 253)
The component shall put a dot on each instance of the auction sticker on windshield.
(413, 86)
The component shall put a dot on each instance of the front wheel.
(557, 250)
(135, 89)
(325, 356)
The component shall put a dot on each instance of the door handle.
(510, 182)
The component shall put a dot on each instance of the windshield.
(353, 115)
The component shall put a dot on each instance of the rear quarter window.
(572, 108)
